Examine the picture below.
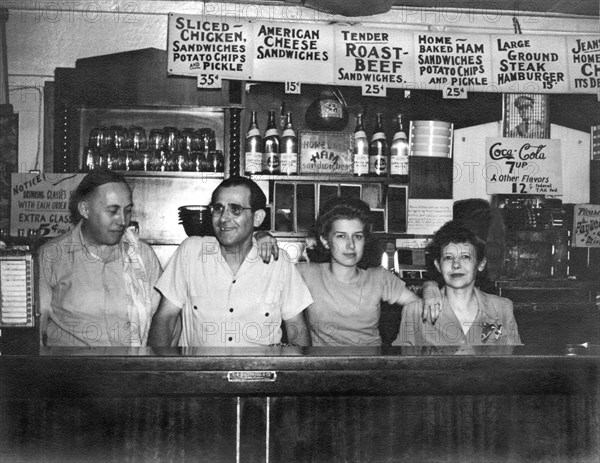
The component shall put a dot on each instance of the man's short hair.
(89, 185)
(258, 200)
(523, 101)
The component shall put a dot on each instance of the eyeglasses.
(233, 209)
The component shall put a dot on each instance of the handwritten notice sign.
(445, 60)
(292, 52)
(523, 166)
(373, 58)
(201, 45)
(584, 62)
(586, 226)
(426, 216)
(326, 152)
(532, 63)
(40, 202)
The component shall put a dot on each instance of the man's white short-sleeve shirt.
(223, 309)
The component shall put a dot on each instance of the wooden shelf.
(401, 180)
(141, 173)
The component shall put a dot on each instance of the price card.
(369, 89)
(455, 93)
(209, 80)
(293, 88)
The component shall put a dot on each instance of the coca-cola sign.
(523, 166)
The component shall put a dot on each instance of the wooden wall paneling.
(506, 428)
(430, 177)
(47, 163)
(473, 428)
(595, 182)
(305, 207)
(140, 429)
(284, 208)
(9, 163)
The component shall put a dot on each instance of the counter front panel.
(301, 404)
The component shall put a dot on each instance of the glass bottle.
(271, 147)
(378, 151)
(399, 151)
(361, 148)
(289, 148)
(253, 147)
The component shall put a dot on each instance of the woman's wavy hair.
(335, 209)
(88, 186)
(453, 232)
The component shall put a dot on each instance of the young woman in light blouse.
(347, 298)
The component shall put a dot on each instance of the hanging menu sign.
(584, 62)
(586, 226)
(445, 60)
(523, 166)
(530, 64)
(219, 47)
(373, 58)
(203, 46)
(288, 52)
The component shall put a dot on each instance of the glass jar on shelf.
(98, 139)
(187, 140)
(207, 139)
(153, 156)
(169, 152)
(115, 159)
(216, 161)
(95, 153)
(136, 144)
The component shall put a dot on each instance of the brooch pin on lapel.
(489, 329)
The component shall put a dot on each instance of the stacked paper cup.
(431, 138)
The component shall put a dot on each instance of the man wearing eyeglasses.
(225, 294)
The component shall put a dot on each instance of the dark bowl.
(196, 220)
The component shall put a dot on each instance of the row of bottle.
(274, 154)
(271, 153)
(377, 157)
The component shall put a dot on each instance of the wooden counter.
(308, 405)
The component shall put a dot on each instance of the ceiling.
(515, 7)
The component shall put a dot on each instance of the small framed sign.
(326, 153)
(526, 116)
